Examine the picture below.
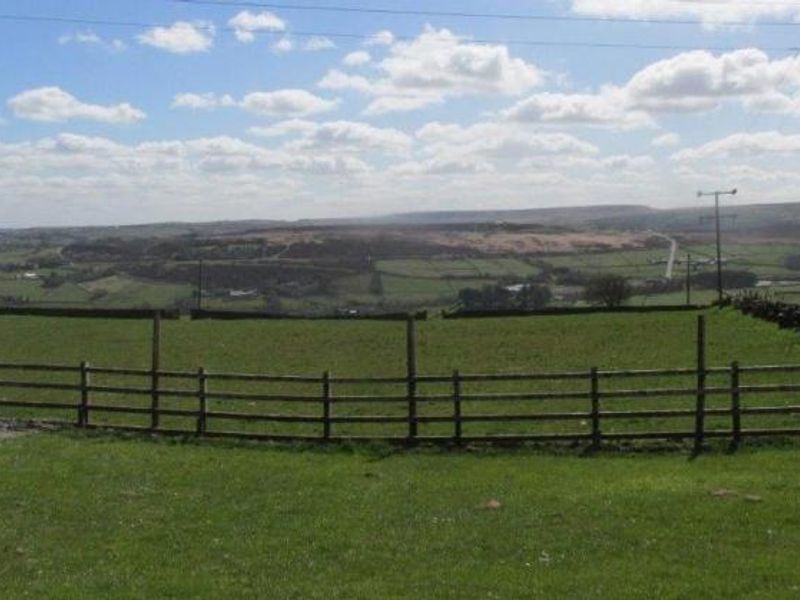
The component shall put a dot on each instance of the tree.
(792, 262)
(608, 290)
(533, 297)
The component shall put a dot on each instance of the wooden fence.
(322, 409)
(588, 406)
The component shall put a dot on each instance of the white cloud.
(283, 46)
(666, 140)
(381, 38)
(52, 104)
(289, 103)
(343, 136)
(207, 101)
(607, 108)
(689, 82)
(437, 65)
(182, 37)
(90, 38)
(497, 144)
(284, 128)
(317, 43)
(707, 11)
(743, 144)
(443, 166)
(246, 24)
(357, 59)
(698, 80)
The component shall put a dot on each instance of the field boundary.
(197, 389)
(578, 310)
(231, 315)
(89, 313)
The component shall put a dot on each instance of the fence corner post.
(700, 408)
(597, 435)
(457, 405)
(202, 401)
(155, 366)
(736, 406)
(411, 375)
(326, 406)
(83, 410)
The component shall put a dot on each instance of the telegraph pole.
(200, 284)
(716, 195)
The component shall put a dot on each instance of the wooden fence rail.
(203, 399)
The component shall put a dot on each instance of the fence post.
(457, 405)
(596, 433)
(411, 373)
(736, 407)
(155, 366)
(326, 405)
(202, 400)
(83, 410)
(700, 409)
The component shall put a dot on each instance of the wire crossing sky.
(195, 110)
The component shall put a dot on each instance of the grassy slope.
(103, 517)
(572, 343)
(365, 347)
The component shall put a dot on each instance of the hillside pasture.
(375, 349)
(104, 517)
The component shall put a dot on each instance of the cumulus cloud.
(495, 144)
(381, 38)
(689, 82)
(708, 12)
(341, 136)
(182, 37)
(283, 45)
(317, 43)
(90, 38)
(666, 140)
(698, 80)
(246, 24)
(607, 108)
(437, 65)
(356, 59)
(287, 103)
(743, 144)
(52, 104)
(207, 101)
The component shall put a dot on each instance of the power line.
(361, 36)
(482, 15)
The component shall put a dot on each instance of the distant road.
(673, 253)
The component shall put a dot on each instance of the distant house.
(242, 293)
(31, 276)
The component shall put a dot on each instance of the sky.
(121, 112)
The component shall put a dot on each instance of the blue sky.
(209, 112)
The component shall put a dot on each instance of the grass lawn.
(102, 517)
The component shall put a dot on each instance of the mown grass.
(353, 349)
(103, 517)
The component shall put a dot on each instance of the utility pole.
(716, 195)
(200, 284)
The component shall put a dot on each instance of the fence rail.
(207, 404)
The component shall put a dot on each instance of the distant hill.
(769, 219)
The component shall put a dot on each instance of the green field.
(462, 268)
(101, 517)
(352, 349)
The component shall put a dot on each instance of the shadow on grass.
(374, 451)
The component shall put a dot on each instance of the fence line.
(329, 418)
